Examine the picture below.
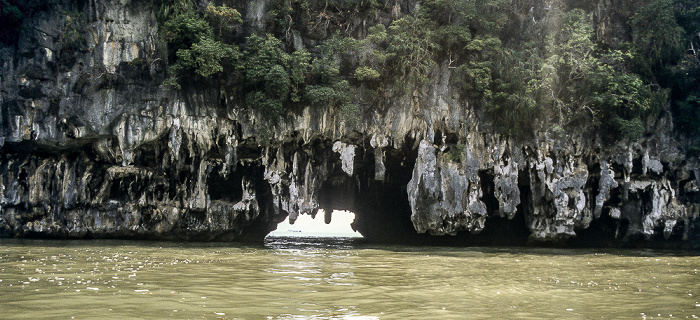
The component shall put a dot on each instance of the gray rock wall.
(94, 146)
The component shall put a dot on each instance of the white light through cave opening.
(306, 226)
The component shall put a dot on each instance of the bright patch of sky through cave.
(305, 226)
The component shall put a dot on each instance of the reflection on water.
(297, 278)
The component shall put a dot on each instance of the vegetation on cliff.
(90, 134)
(528, 69)
(558, 74)
(12, 16)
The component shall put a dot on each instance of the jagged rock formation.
(94, 146)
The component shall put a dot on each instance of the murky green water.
(339, 279)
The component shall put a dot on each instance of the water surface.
(296, 278)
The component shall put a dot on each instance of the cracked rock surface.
(93, 146)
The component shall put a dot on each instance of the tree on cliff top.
(195, 48)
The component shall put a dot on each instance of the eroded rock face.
(94, 146)
(443, 200)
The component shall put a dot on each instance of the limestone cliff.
(93, 145)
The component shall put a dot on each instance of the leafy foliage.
(412, 46)
(618, 92)
(518, 94)
(568, 79)
(333, 95)
(371, 54)
(559, 75)
(298, 71)
(206, 57)
(667, 36)
(186, 29)
(326, 67)
(222, 19)
(195, 48)
(12, 15)
(656, 32)
(167, 9)
(267, 68)
(456, 152)
(365, 73)
(277, 82)
(331, 89)
(630, 129)
(318, 18)
(270, 108)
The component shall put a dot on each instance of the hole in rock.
(306, 226)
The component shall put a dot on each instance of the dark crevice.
(438, 138)
(382, 211)
(602, 232)
(487, 188)
(267, 220)
(227, 188)
(637, 168)
(501, 231)
(592, 187)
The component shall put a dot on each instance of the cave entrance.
(307, 226)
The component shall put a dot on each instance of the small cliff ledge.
(95, 146)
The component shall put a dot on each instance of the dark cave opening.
(486, 178)
(602, 232)
(266, 221)
(226, 187)
(501, 231)
(128, 187)
(383, 212)
(637, 168)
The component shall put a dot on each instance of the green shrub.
(277, 82)
(186, 29)
(167, 9)
(474, 78)
(261, 55)
(206, 57)
(270, 108)
(481, 16)
(320, 95)
(412, 46)
(318, 18)
(195, 49)
(631, 129)
(334, 95)
(326, 67)
(456, 152)
(370, 55)
(267, 68)
(350, 113)
(222, 18)
(519, 95)
(365, 73)
(557, 75)
(452, 39)
(656, 32)
(619, 93)
(298, 71)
